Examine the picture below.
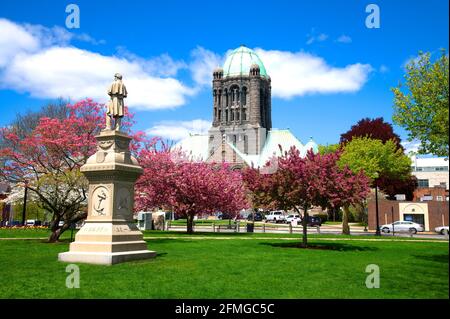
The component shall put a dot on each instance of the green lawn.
(233, 268)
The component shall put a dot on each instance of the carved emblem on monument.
(100, 202)
(105, 144)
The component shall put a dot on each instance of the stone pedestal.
(109, 235)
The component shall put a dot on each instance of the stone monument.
(109, 235)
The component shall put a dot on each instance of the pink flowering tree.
(171, 181)
(300, 183)
(48, 158)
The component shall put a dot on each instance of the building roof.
(240, 60)
(195, 146)
(429, 161)
(277, 142)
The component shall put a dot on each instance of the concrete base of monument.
(105, 258)
(107, 243)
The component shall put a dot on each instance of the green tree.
(423, 108)
(329, 148)
(377, 160)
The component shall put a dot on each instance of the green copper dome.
(239, 62)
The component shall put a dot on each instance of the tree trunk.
(345, 226)
(54, 236)
(305, 228)
(190, 224)
(57, 232)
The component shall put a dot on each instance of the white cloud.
(162, 65)
(203, 64)
(177, 130)
(15, 39)
(39, 61)
(314, 37)
(411, 148)
(300, 73)
(344, 39)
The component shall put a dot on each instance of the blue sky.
(168, 48)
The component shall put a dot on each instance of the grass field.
(262, 267)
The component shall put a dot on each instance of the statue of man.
(117, 91)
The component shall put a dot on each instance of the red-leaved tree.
(189, 188)
(376, 129)
(300, 183)
(47, 160)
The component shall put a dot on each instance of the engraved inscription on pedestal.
(100, 202)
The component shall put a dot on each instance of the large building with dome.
(241, 133)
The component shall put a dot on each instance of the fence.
(240, 226)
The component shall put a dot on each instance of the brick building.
(431, 214)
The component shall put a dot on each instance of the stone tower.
(241, 107)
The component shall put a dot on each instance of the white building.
(431, 171)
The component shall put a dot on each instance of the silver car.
(402, 226)
(441, 230)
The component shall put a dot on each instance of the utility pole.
(377, 233)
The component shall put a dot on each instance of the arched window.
(226, 115)
(226, 97)
(232, 115)
(244, 114)
(234, 91)
(244, 96)
(262, 107)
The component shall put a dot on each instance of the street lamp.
(377, 233)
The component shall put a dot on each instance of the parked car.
(402, 226)
(291, 217)
(441, 230)
(258, 217)
(224, 216)
(33, 222)
(313, 221)
(276, 216)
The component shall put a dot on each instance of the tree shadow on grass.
(436, 258)
(322, 246)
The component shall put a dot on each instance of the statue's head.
(118, 76)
